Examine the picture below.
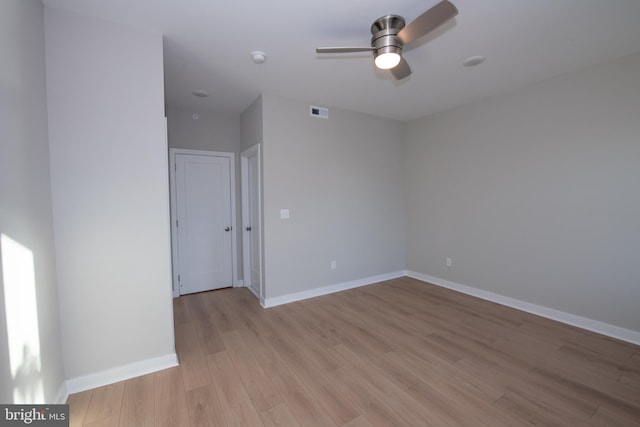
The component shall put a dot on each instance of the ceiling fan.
(390, 34)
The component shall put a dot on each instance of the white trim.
(63, 394)
(173, 216)
(169, 206)
(254, 292)
(254, 150)
(173, 203)
(298, 296)
(121, 373)
(561, 316)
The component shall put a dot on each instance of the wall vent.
(321, 112)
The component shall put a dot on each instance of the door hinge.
(176, 222)
(178, 277)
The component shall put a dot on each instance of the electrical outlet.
(333, 265)
(448, 261)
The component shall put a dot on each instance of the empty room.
(366, 213)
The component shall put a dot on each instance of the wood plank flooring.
(397, 353)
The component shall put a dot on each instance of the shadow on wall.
(21, 322)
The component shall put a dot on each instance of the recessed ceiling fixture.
(200, 93)
(258, 57)
(472, 61)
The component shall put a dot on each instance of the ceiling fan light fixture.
(387, 57)
(390, 33)
(387, 61)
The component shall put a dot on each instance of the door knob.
(248, 228)
(227, 228)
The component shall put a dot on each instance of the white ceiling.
(208, 46)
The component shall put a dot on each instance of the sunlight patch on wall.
(21, 310)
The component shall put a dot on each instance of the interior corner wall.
(342, 180)
(25, 208)
(534, 194)
(109, 178)
(251, 128)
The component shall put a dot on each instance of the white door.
(252, 219)
(204, 238)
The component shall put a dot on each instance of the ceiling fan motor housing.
(384, 32)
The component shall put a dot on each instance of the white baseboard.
(63, 394)
(298, 296)
(121, 373)
(253, 291)
(570, 319)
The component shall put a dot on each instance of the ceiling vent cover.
(321, 112)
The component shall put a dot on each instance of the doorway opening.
(252, 262)
(203, 217)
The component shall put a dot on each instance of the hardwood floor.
(400, 352)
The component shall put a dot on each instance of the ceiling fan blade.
(428, 21)
(343, 49)
(401, 70)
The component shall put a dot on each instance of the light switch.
(284, 213)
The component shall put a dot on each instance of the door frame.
(173, 152)
(254, 150)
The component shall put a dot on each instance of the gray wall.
(535, 194)
(25, 193)
(343, 181)
(251, 125)
(109, 180)
(210, 132)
